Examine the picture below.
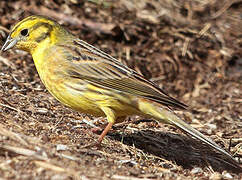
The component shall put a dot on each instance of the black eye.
(24, 32)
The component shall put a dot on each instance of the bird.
(93, 82)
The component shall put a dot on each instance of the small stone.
(212, 126)
(196, 170)
(59, 177)
(226, 175)
(61, 147)
(42, 110)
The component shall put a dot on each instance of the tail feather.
(175, 120)
(165, 116)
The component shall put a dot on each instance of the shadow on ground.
(181, 149)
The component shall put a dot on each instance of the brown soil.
(192, 49)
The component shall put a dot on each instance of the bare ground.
(192, 49)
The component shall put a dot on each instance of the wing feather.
(107, 72)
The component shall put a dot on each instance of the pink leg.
(105, 131)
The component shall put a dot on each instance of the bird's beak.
(9, 43)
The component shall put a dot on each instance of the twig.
(204, 29)
(4, 29)
(127, 178)
(95, 26)
(24, 151)
(47, 165)
(223, 9)
(10, 107)
(185, 46)
(12, 135)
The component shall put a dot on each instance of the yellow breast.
(75, 93)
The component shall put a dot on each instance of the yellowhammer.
(91, 81)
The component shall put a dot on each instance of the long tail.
(165, 116)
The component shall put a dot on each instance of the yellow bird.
(90, 81)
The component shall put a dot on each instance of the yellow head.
(33, 30)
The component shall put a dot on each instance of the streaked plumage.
(91, 81)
